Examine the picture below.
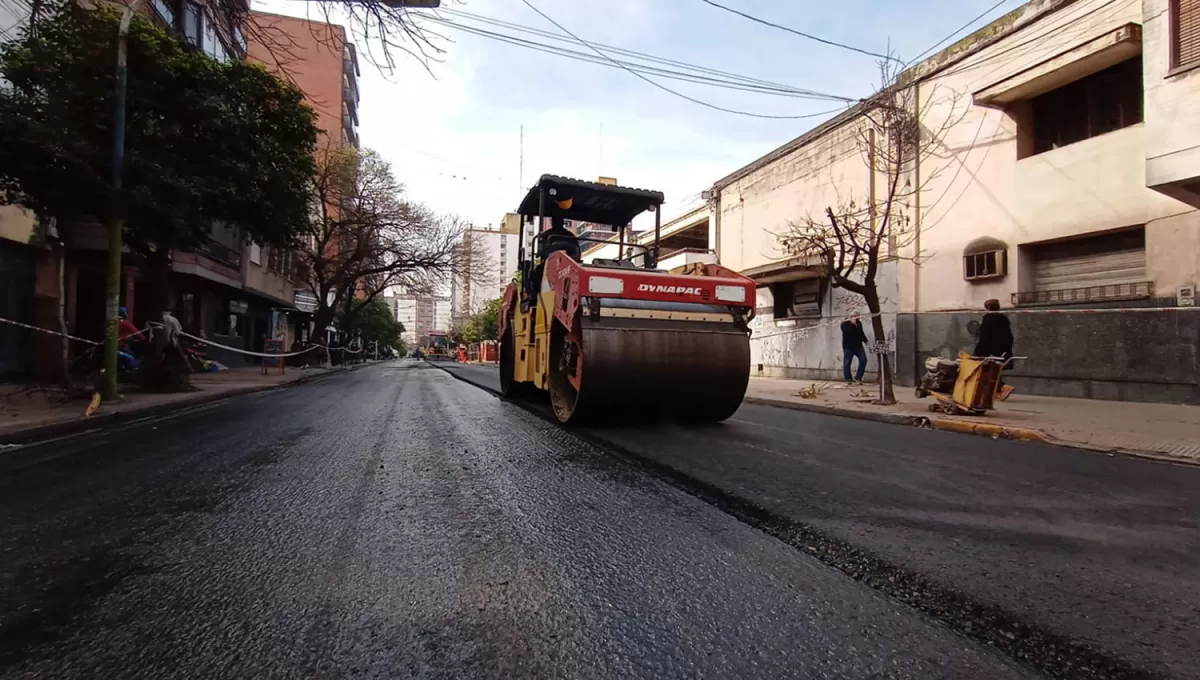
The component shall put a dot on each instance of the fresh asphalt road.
(1096, 552)
(395, 522)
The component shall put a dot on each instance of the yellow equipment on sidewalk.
(968, 386)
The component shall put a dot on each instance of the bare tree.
(851, 238)
(365, 238)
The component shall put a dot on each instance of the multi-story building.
(406, 314)
(488, 261)
(323, 64)
(421, 314)
(1056, 168)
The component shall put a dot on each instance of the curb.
(993, 430)
(39, 433)
(890, 418)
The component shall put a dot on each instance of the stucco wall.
(812, 348)
(1173, 128)
(974, 185)
(757, 208)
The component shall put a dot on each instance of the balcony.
(219, 252)
(350, 61)
(350, 93)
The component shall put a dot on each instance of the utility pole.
(116, 223)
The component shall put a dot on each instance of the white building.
(442, 314)
(1058, 171)
(406, 314)
(489, 262)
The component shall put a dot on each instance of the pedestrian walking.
(995, 340)
(854, 340)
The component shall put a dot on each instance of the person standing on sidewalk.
(854, 340)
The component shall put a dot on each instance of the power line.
(658, 85)
(734, 84)
(802, 34)
(614, 50)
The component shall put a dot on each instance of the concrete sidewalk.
(28, 415)
(1159, 430)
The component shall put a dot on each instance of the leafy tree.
(206, 143)
(487, 321)
(372, 321)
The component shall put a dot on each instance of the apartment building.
(489, 259)
(422, 314)
(321, 61)
(1057, 172)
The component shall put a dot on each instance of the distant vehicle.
(438, 347)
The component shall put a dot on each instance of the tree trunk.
(886, 379)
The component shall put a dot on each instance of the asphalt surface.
(395, 522)
(1087, 564)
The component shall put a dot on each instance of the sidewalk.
(1159, 430)
(27, 415)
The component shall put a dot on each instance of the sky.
(453, 131)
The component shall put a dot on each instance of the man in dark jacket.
(995, 333)
(995, 340)
(854, 340)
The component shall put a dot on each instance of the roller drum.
(632, 369)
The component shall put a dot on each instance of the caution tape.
(248, 352)
(48, 331)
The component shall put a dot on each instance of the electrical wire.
(782, 90)
(793, 31)
(660, 86)
(614, 50)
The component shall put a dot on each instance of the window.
(255, 253)
(239, 39)
(164, 12)
(192, 20)
(1089, 107)
(797, 298)
(989, 265)
(212, 43)
(1185, 33)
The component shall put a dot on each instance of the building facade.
(1056, 172)
(488, 263)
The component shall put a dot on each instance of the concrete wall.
(1153, 357)
(812, 348)
(256, 277)
(1173, 128)
(755, 209)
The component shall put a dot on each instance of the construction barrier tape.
(248, 352)
(47, 330)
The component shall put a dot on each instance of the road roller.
(619, 338)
